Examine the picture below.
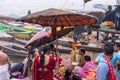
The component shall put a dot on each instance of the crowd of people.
(47, 64)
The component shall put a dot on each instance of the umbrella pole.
(54, 35)
(56, 53)
(54, 32)
(56, 48)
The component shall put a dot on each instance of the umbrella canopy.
(39, 37)
(43, 37)
(59, 17)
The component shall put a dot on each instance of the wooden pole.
(56, 48)
(54, 33)
(29, 61)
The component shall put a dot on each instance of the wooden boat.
(22, 35)
(6, 37)
(16, 31)
(21, 41)
(63, 49)
(6, 18)
(13, 49)
(8, 28)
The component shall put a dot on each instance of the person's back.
(47, 69)
(105, 69)
(43, 66)
(3, 58)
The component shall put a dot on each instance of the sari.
(82, 72)
(43, 72)
(73, 53)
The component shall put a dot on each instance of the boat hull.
(22, 35)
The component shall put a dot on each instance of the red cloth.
(40, 74)
(111, 75)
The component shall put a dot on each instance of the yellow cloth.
(73, 52)
(73, 56)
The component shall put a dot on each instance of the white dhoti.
(4, 72)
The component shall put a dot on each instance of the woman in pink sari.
(82, 72)
(43, 65)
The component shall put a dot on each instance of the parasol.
(43, 37)
(59, 17)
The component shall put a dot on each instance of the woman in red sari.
(43, 65)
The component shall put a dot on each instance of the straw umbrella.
(58, 17)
